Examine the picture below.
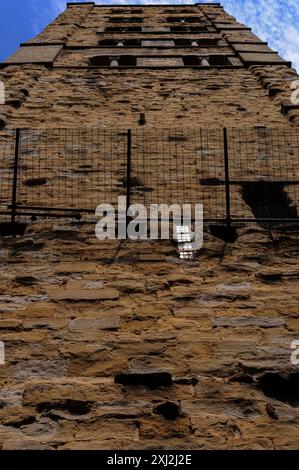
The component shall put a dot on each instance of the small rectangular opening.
(218, 60)
(120, 42)
(124, 19)
(123, 29)
(113, 61)
(213, 60)
(122, 11)
(108, 42)
(132, 42)
(192, 60)
(200, 42)
(127, 61)
(99, 61)
(186, 29)
(184, 19)
(176, 11)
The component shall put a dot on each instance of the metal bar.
(129, 162)
(46, 214)
(15, 183)
(265, 220)
(240, 182)
(226, 169)
(206, 220)
(61, 209)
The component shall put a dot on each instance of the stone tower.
(119, 344)
(180, 65)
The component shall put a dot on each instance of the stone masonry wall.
(120, 344)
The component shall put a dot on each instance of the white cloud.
(273, 21)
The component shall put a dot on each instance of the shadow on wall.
(268, 200)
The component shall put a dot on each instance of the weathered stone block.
(104, 323)
(35, 55)
(233, 25)
(30, 444)
(260, 322)
(150, 29)
(84, 295)
(40, 368)
(159, 62)
(251, 58)
(253, 48)
(157, 43)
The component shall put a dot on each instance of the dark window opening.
(124, 19)
(183, 42)
(113, 61)
(178, 12)
(195, 60)
(218, 60)
(122, 11)
(108, 42)
(184, 19)
(120, 42)
(133, 42)
(127, 61)
(186, 29)
(268, 200)
(100, 61)
(196, 42)
(124, 29)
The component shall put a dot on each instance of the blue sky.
(275, 21)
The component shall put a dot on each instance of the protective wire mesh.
(64, 174)
(7, 152)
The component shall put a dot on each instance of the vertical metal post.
(129, 155)
(227, 182)
(15, 183)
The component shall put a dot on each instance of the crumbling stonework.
(120, 344)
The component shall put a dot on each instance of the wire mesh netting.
(64, 174)
(7, 158)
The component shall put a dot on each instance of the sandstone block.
(83, 294)
(104, 323)
(260, 322)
